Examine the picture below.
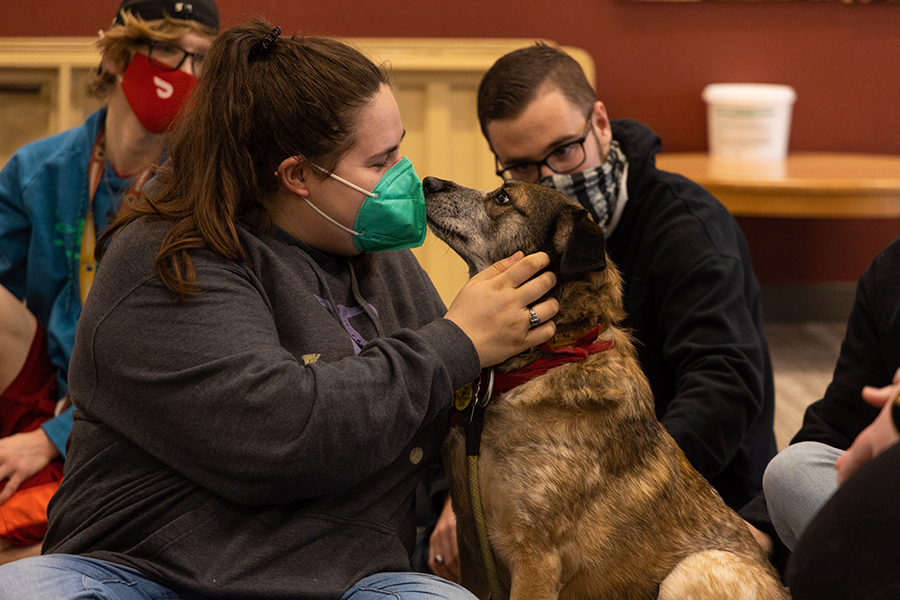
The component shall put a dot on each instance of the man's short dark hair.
(514, 80)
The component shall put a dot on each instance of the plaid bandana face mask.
(596, 189)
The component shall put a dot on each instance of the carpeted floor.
(803, 359)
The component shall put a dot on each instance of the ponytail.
(262, 98)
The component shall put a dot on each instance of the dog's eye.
(502, 199)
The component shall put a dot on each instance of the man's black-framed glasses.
(562, 159)
(169, 57)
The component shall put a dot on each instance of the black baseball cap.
(201, 11)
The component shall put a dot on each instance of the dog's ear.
(581, 244)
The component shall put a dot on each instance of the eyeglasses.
(562, 159)
(170, 57)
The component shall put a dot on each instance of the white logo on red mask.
(164, 89)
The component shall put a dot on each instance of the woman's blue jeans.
(67, 577)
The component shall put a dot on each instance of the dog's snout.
(433, 185)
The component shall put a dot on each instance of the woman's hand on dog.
(493, 307)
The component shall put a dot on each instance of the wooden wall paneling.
(435, 83)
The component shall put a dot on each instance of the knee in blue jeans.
(66, 577)
(406, 586)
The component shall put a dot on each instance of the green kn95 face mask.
(392, 217)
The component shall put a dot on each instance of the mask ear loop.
(344, 181)
(318, 210)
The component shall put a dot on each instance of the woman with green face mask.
(262, 370)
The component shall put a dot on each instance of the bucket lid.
(749, 94)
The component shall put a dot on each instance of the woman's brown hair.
(255, 105)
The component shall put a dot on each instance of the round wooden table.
(811, 185)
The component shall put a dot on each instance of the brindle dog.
(585, 495)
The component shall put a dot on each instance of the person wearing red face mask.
(56, 196)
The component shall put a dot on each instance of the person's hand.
(877, 437)
(443, 553)
(492, 308)
(23, 455)
(764, 541)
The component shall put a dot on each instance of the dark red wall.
(653, 60)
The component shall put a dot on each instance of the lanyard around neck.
(87, 264)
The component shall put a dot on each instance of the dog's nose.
(433, 185)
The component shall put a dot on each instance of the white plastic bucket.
(749, 121)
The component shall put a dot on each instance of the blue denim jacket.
(43, 203)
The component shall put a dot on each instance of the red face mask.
(155, 95)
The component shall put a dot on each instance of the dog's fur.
(585, 495)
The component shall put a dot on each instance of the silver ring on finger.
(533, 318)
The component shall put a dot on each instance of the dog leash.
(471, 406)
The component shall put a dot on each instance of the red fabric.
(31, 398)
(23, 518)
(579, 351)
(29, 401)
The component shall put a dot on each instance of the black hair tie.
(266, 44)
